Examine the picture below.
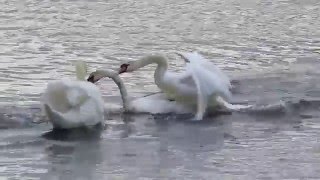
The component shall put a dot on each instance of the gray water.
(269, 48)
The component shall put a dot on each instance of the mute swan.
(202, 84)
(140, 105)
(73, 104)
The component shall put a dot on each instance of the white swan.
(154, 104)
(202, 84)
(73, 104)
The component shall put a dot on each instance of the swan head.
(134, 65)
(99, 74)
(127, 67)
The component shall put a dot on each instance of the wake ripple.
(281, 107)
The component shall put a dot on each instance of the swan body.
(200, 84)
(73, 104)
(154, 104)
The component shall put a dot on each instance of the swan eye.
(123, 68)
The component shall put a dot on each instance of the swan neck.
(162, 66)
(123, 90)
(156, 59)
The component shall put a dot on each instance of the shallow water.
(270, 48)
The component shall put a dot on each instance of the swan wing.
(180, 85)
(208, 83)
(76, 97)
(70, 119)
(78, 92)
(203, 92)
(207, 76)
(195, 57)
(93, 105)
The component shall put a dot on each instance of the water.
(271, 48)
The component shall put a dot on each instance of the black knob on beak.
(91, 79)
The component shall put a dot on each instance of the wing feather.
(209, 81)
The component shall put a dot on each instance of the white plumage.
(202, 84)
(73, 103)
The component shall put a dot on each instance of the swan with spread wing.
(202, 84)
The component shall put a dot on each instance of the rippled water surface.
(270, 48)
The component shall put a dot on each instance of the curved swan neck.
(123, 92)
(162, 66)
(120, 84)
(157, 59)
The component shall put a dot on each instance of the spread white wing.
(209, 80)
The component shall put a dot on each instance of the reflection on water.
(81, 159)
(84, 133)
